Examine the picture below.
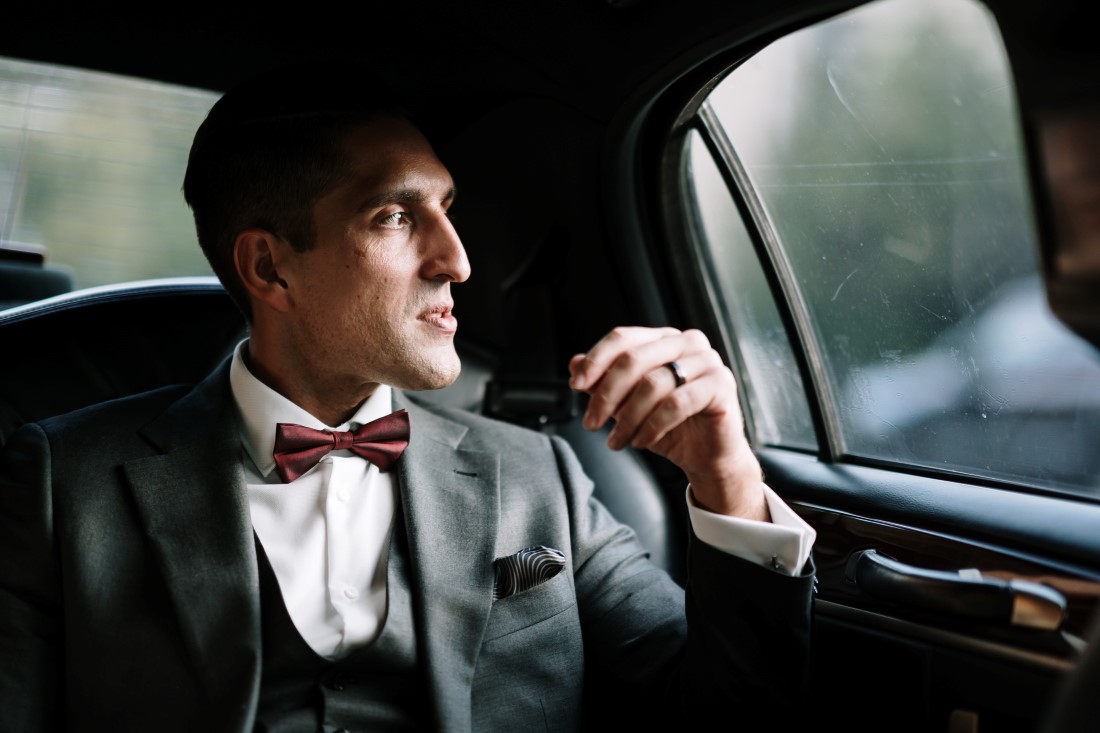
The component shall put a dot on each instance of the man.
(166, 559)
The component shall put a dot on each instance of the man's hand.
(698, 426)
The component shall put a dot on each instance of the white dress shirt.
(327, 535)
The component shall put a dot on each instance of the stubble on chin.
(427, 371)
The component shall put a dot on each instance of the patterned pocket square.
(526, 569)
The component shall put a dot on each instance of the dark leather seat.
(88, 346)
(92, 345)
(23, 283)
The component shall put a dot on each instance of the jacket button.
(337, 682)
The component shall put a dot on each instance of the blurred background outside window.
(884, 148)
(91, 169)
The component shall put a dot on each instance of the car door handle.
(957, 594)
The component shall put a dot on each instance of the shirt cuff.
(783, 544)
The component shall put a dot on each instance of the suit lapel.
(201, 531)
(451, 502)
(196, 512)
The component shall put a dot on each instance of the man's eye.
(396, 219)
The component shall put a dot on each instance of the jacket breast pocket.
(530, 607)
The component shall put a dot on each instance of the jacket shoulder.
(132, 411)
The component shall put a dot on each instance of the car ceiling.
(592, 54)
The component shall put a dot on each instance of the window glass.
(91, 167)
(769, 374)
(884, 148)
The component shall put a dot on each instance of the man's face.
(373, 300)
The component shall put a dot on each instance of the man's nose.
(446, 257)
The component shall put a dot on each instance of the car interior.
(948, 600)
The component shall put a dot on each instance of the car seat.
(25, 276)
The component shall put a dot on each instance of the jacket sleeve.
(734, 645)
(31, 637)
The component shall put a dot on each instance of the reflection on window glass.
(90, 170)
(777, 399)
(884, 147)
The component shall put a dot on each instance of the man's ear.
(258, 255)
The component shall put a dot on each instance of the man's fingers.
(693, 419)
(639, 374)
(657, 405)
(666, 413)
(653, 387)
(589, 368)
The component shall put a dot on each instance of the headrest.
(93, 345)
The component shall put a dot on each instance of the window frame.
(695, 282)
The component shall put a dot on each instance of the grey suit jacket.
(129, 593)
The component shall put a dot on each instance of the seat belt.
(530, 387)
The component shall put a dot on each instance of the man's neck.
(330, 406)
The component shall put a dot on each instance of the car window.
(91, 166)
(879, 159)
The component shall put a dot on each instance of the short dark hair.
(266, 152)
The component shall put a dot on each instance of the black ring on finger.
(677, 373)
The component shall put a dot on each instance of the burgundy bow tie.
(381, 441)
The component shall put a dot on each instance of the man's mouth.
(441, 317)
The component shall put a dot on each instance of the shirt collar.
(261, 407)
